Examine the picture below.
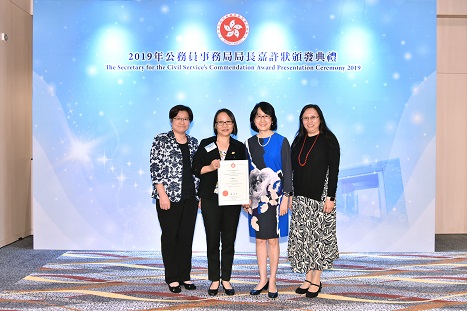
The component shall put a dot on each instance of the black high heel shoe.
(228, 291)
(314, 294)
(189, 286)
(273, 295)
(302, 291)
(213, 292)
(175, 289)
(255, 292)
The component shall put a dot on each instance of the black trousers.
(178, 227)
(220, 224)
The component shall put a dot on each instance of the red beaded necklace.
(306, 158)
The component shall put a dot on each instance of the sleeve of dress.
(286, 166)
(333, 155)
(243, 155)
(198, 159)
(193, 145)
(156, 160)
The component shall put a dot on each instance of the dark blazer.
(208, 181)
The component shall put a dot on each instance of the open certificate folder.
(233, 182)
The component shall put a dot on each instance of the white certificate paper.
(233, 182)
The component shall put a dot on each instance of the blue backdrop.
(107, 72)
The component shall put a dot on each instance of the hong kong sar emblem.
(232, 29)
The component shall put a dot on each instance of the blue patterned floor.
(92, 280)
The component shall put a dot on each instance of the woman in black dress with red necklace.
(312, 245)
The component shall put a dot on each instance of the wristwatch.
(331, 198)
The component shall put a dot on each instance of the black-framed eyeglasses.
(220, 123)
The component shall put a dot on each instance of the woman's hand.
(164, 201)
(284, 206)
(246, 207)
(215, 164)
(211, 167)
(328, 205)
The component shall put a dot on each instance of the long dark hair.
(323, 128)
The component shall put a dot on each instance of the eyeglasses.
(262, 117)
(220, 123)
(181, 119)
(312, 118)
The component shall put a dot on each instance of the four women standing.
(314, 162)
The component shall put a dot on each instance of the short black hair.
(176, 109)
(268, 109)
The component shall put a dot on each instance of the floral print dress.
(270, 177)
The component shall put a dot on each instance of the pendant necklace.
(222, 153)
(306, 158)
(265, 143)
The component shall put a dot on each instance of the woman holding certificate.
(270, 190)
(220, 222)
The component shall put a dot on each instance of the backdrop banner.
(106, 74)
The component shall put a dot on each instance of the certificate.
(233, 182)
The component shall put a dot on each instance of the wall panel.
(451, 128)
(15, 121)
(451, 45)
(451, 194)
(451, 7)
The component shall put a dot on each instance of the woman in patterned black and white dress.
(312, 245)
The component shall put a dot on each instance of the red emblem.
(232, 29)
(225, 193)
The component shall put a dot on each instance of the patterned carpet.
(80, 280)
